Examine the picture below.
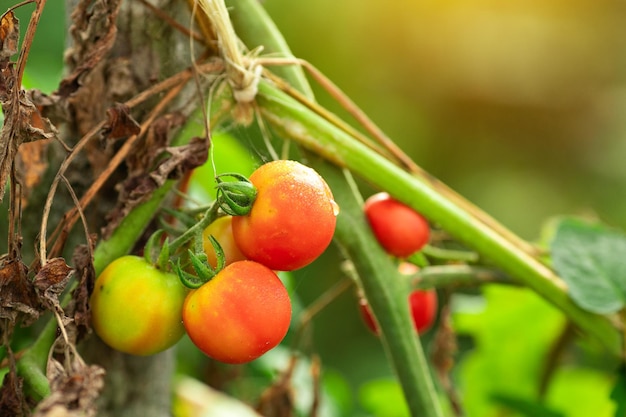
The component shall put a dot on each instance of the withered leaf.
(23, 123)
(12, 402)
(30, 166)
(94, 31)
(74, 391)
(182, 160)
(79, 305)
(18, 296)
(137, 189)
(9, 35)
(120, 123)
(51, 280)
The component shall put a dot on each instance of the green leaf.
(618, 394)
(524, 406)
(590, 258)
(383, 398)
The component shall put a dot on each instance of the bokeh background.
(520, 107)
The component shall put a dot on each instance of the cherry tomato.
(239, 314)
(136, 308)
(422, 305)
(292, 220)
(398, 228)
(221, 230)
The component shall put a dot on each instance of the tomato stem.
(209, 217)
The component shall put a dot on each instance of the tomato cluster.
(401, 231)
(243, 310)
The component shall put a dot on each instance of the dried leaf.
(31, 164)
(79, 305)
(18, 296)
(12, 402)
(50, 282)
(9, 35)
(94, 31)
(120, 123)
(157, 138)
(182, 160)
(74, 391)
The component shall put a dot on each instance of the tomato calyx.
(204, 272)
(235, 197)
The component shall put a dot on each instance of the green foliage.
(590, 258)
(383, 398)
(512, 336)
(618, 394)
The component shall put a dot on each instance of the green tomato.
(137, 308)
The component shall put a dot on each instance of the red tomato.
(397, 227)
(422, 305)
(221, 230)
(292, 220)
(238, 315)
(136, 308)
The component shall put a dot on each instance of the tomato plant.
(136, 308)
(240, 314)
(398, 228)
(292, 220)
(221, 230)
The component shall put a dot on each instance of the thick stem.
(293, 120)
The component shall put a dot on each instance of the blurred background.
(521, 107)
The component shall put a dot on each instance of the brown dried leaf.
(30, 165)
(79, 306)
(74, 390)
(12, 402)
(18, 296)
(157, 138)
(94, 31)
(182, 160)
(50, 282)
(120, 123)
(9, 35)
(23, 123)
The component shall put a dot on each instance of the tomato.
(399, 229)
(422, 305)
(239, 314)
(221, 230)
(292, 220)
(136, 308)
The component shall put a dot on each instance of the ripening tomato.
(239, 314)
(136, 308)
(292, 220)
(221, 229)
(399, 229)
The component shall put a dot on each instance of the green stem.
(293, 120)
(209, 216)
(457, 276)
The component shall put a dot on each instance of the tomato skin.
(221, 229)
(292, 220)
(399, 229)
(240, 314)
(423, 305)
(136, 308)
